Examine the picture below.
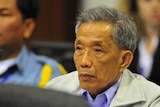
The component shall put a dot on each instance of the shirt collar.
(107, 95)
(4, 65)
(21, 60)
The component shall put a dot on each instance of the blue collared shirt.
(104, 99)
(29, 67)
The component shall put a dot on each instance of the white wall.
(86, 4)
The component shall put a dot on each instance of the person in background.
(147, 55)
(17, 64)
(105, 42)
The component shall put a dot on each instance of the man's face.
(11, 26)
(97, 57)
(149, 11)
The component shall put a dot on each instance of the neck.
(152, 31)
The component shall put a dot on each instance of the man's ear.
(126, 59)
(29, 26)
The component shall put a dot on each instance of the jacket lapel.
(129, 92)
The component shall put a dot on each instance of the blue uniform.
(31, 69)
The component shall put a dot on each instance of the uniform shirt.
(29, 69)
(104, 99)
(4, 65)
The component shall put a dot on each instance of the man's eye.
(78, 48)
(4, 14)
(98, 50)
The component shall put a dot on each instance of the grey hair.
(124, 32)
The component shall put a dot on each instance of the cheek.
(107, 66)
(107, 75)
(10, 33)
(143, 16)
(11, 25)
(108, 61)
(16, 28)
(75, 58)
(14, 31)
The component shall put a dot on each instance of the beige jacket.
(134, 90)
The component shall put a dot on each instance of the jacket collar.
(129, 92)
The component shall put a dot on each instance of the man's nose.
(86, 60)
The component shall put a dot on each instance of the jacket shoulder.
(135, 90)
(66, 83)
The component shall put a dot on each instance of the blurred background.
(56, 18)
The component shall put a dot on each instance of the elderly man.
(104, 47)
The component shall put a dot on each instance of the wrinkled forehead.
(100, 27)
(96, 32)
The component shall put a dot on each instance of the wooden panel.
(55, 21)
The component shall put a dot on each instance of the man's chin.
(86, 86)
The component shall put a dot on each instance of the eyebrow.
(95, 43)
(77, 41)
